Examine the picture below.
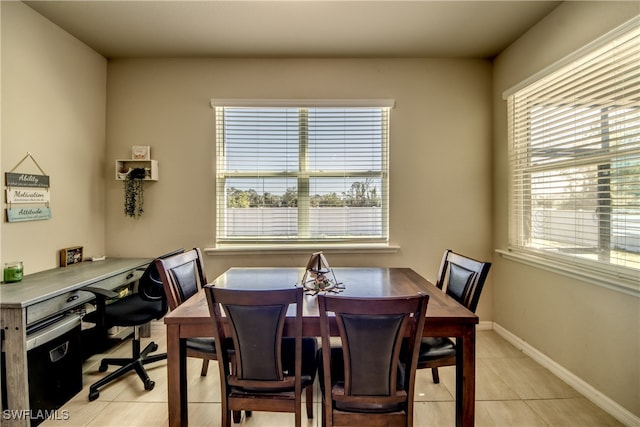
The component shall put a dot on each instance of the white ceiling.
(289, 28)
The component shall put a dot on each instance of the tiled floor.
(511, 390)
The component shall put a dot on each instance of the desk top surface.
(46, 284)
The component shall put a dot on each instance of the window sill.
(300, 249)
(609, 281)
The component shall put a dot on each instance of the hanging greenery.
(134, 192)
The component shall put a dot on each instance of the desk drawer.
(67, 301)
(56, 305)
(119, 280)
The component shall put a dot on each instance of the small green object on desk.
(13, 272)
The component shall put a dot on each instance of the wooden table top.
(443, 311)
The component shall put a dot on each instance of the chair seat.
(203, 345)
(432, 348)
(309, 354)
(131, 310)
(337, 367)
(369, 404)
(206, 345)
(306, 381)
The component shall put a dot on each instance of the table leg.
(176, 377)
(466, 377)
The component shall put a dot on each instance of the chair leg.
(298, 416)
(145, 358)
(142, 374)
(205, 367)
(237, 415)
(309, 399)
(327, 416)
(94, 393)
(434, 374)
(226, 417)
(135, 363)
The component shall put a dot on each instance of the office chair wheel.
(93, 395)
(103, 367)
(154, 348)
(149, 384)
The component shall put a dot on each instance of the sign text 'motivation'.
(26, 180)
(28, 195)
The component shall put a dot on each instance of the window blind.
(575, 160)
(291, 173)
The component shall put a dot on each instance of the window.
(574, 137)
(295, 172)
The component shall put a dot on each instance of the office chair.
(464, 279)
(134, 310)
(370, 379)
(270, 370)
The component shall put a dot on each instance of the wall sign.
(26, 180)
(27, 195)
(28, 214)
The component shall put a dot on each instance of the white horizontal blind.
(302, 174)
(575, 159)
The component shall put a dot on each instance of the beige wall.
(589, 330)
(53, 106)
(440, 172)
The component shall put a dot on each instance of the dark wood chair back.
(370, 379)
(182, 276)
(255, 321)
(462, 278)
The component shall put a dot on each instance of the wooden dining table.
(445, 318)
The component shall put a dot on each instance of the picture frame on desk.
(72, 255)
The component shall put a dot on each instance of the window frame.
(302, 176)
(609, 274)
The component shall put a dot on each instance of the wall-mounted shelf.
(150, 166)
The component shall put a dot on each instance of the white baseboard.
(604, 402)
(484, 325)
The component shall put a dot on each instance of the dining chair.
(271, 370)
(462, 278)
(182, 277)
(370, 379)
